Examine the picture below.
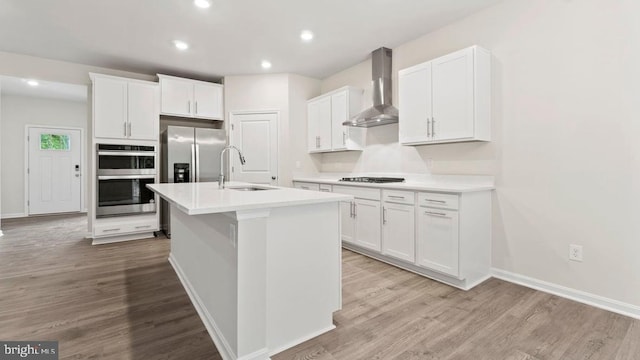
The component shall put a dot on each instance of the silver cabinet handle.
(197, 163)
(125, 128)
(351, 214)
(129, 128)
(434, 213)
(436, 201)
(433, 127)
(304, 187)
(110, 230)
(196, 108)
(396, 197)
(143, 227)
(324, 190)
(193, 163)
(317, 142)
(344, 138)
(384, 215)
(428, 131)
(189, 106)
(355, 210)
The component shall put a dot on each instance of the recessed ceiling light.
(180, 45)
(32, 82)
(202, 3)
(266, 64)
(306, 35)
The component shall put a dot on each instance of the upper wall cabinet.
(326, 113)
(447, 99)
(124, 108)
(190, 98)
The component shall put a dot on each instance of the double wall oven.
(123, 173)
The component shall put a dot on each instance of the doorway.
(54, 170)
(256, 135)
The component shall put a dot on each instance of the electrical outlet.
(575, 252)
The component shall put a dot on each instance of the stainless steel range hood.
(382, 112)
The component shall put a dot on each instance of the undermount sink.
(248, 188)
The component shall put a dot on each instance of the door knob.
(273, 178)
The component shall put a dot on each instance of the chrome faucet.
(221, 177)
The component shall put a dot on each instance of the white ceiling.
(45, 89)
(231, 37)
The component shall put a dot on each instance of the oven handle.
(127, 153)
(125, 177)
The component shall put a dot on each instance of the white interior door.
(256, 135)
(53, 171)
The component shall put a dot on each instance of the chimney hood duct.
(382, 112)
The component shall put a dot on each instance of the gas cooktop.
(368, 179)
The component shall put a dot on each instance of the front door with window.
(54, 173)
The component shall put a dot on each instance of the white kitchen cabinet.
(124, 108)
(306, 186)
(319, 125)
(398, 231)
(398, 224)
(447, 99)
(437, 240)
(367, 220)
(348, 222)
(191, 98)
(326, 113)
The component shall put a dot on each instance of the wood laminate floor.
(123, 301)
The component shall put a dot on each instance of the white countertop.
(453, 184)
(206, 198)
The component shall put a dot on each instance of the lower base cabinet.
(437, 240)
(398, 231)
(367, 212)
(443, 236)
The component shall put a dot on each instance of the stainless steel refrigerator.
(189, 155)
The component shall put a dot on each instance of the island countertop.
(207, 198)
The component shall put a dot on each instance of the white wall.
(16, 113)
(565, 149)
(300, 90)
(285, 93)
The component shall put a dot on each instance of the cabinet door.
(110, 108)
(339, 114)
(207, 101)
(368, 223)
(437, 240)
(347, 222)
(143, 111)
(176, 97)
(453, 96)
(398, 231)
(414, 102)
(319, 125)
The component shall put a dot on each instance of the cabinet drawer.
(325, 187)
(397, 196)
(125, 228)
(307, 186)
(358, 192)
(439, 200)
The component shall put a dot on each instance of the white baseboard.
(225, 350)
(598, 301)
(13, 215)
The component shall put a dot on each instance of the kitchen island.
(261, 267)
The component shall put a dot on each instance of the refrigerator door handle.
(193, 163)
(197, 163)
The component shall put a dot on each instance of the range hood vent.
(382, 112)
